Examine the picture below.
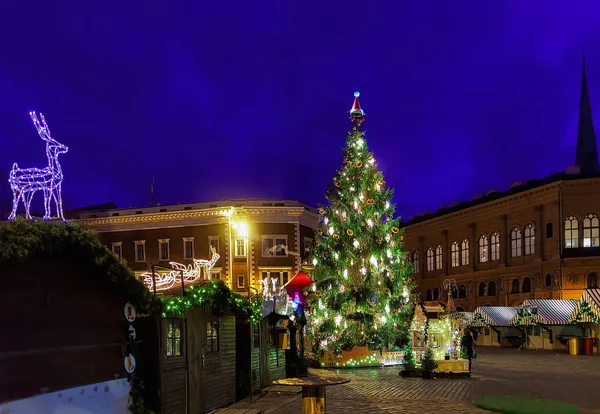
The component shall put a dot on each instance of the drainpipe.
(474, 257)
(561, 244)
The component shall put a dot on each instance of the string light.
(24, 182)
(191, 273)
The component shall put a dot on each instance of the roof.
(492, 316)
(548, 312)
(496, 195)
(592, 297)
(297, 284)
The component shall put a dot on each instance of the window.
(462, 292)
(163, 249)
(464, 251)
(415, 260)
(174, 345)
(215, 274)
(571, 233)
(117, 249)
(240, 247)
(213, 241)
(482, 289)
(591, 231)
(515, 242)
(548, 280)
(212, 335)
(548, 230)
(436, 294)
(526, 285)
(429, 295)
(454, 254)
(188, 248)
(495, 246)
(308, 248)
(430, 259)
(483, 248)
(529, 239)
(454, 292)
(281, 276)
(438, 257)
(240, 281)
(491, 288)
(140, 250)
(592, 281)
(515, 286)
(274, 246)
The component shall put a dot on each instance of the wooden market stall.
(493, 326)
(587, 314)
(546, 323)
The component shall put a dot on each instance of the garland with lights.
(585, 312)
(216, 295)
(478, 318)
(363, 281)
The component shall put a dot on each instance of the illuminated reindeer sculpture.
(24, 182)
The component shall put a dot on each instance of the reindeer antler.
(42, 128)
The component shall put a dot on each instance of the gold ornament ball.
(349, 232)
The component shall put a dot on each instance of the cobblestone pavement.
(495, 372)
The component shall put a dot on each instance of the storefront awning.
(492, 316)
(547, 312)
(592, 298)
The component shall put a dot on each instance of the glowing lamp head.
(241, 229)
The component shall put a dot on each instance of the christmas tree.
(363, 285)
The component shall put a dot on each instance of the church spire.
(587, 151)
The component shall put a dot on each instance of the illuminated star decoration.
(24, 182)
(191, 273)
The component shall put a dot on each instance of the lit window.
(117, 249)
(438, 257)
(240, 247)
(174, 345)
(483, 248)
(571, 232)
(464, 251)
(415, 260)
(140, 250)
(430, 259)
(455, 254)
(212, 335)
(495, 246)
(529, 239)
(188, 248)
(591, 231)
(274, 246)
(281, 276)
(213, 241)
(163, 250)
(515, 242)
(240, 281)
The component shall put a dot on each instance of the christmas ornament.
(349, 232)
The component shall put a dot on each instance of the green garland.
(586, 310)
(479, 318)
(217, 296)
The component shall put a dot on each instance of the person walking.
(467, 345)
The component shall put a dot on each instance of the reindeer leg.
(59, 208)
(47, 204)
(16, 196)
(27, 196)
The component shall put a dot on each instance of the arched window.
(571, 232)
(483, 248)
(515, 242)
(454, 292)
(515, 286)
(548, 280)
(436, 294)
(462, 292)
(428, 295)
(548, 230)
(592, 281)
(438, 257)
(415, 260)
(529, 239)
(464, 251)
(482, 289)
(492, 288)
(526, 285)
(454, 254)
(591, 231)
(495, 246)
(430, 259)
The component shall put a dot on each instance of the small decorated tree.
(428, 363)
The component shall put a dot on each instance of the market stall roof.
(297, 284)
(548, 312)
(592, 297)
(492, 316)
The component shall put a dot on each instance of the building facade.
(538, 240)
(255, 239)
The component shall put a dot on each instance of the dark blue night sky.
(249, 99)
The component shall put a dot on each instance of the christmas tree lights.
(25, 182)
(363, 284)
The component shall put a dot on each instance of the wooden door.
(197, 360)
(173, 374)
